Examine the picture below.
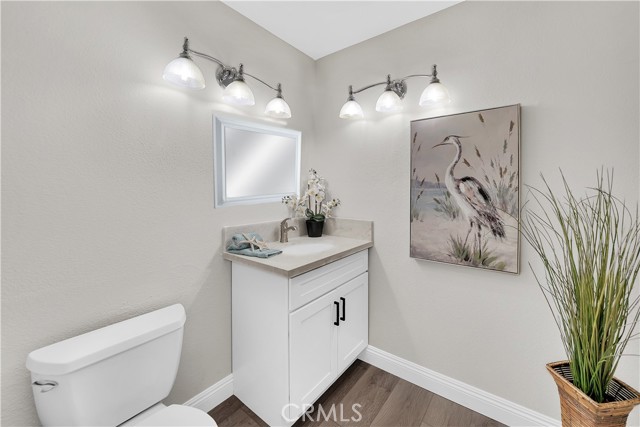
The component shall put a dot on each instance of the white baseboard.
(487, 404)
(208, 399)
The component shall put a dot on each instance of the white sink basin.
(302, 249)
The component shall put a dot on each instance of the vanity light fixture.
(183, 72)
(390, 101)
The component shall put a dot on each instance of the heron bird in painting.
(472, 198)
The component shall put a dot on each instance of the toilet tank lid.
(83, 350)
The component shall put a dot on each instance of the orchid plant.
(313, 203)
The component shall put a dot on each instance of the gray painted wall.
(107, 173)
(574, 68)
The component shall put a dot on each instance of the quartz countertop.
(302, 253)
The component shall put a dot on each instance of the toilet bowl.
(117, 375)
(173, 415)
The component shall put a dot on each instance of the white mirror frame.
(220, 125)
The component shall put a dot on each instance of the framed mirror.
(253, 162)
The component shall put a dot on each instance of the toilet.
(114, 376)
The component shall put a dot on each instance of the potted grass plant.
(590, 252)
(313, 204)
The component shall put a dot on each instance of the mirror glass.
(254, 162)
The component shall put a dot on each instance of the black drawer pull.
(344, 309)
(337, 322)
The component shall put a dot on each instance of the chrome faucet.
(284, 230)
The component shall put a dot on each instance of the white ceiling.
(319, 28)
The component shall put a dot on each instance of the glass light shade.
(279, 108)
(238, 93)
(434, 94)
(182, 71)
(389, 102)
(351, 110)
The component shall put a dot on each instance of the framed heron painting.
(465, 189)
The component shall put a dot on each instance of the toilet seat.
(179, 416)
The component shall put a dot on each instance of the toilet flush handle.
(45, 385)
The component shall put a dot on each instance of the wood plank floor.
(384, 399)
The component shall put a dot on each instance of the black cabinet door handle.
(337, 322)
(344, 309)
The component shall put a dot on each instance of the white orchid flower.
(313, 199)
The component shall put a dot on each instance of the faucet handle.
(284, 229)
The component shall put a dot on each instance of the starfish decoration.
(253, 241)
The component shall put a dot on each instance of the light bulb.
(389, 102)
(351, 110)
(183, 72)
(279, 108)
(238, 93)
(434, 94)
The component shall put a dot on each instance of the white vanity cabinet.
(293, 337)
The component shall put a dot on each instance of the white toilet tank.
(106, 376)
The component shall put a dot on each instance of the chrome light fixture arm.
(203, 55)
(277, 89)
(399, 86)
(353, 92)
(226, 74)
(183, 72)
(395, 90)
(433, 75)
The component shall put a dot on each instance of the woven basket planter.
(579, 410)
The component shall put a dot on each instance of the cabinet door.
(312, 351)
(353, 331)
